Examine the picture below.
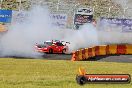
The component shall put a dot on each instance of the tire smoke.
(37, 27)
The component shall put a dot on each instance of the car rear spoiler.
(60, 41)
(66, 42)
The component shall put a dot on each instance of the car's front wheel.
(50, 51)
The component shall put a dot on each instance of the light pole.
(1, 3)
(109, 11)
(58, 3)
(124, 11)
(94, 8)
(20, 3)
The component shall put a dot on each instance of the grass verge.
(38, 73)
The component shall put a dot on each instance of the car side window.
(59, 44)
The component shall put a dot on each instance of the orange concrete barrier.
(97, 50)
(86, 53)
(80, 54)
(83, 54)
(91, 51)
(111, 49)
(121, 49)
(107, 50)
(128, 49)
(75, 56)
(100, 50)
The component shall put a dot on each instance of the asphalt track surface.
(112, 58)
(57, 56)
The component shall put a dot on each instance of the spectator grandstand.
(102, 8)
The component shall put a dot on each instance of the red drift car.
(52, 47)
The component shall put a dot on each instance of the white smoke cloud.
(86, 36)
(113, 37)
(113, 34)
(37, 27)
(22, 36)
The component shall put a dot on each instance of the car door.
(54, 47)
(59, 47)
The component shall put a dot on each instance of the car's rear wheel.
(63, 51)
(50, 51)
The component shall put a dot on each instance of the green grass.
(38, 73)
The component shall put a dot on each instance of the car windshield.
(41, 45)
(48, 43)
(59, 44)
